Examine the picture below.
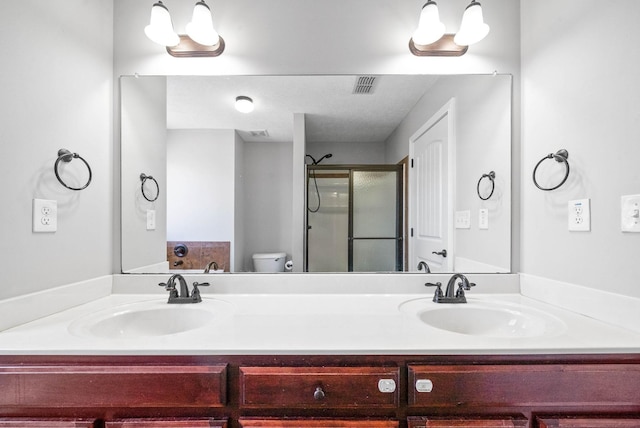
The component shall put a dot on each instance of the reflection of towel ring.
(144, 177)
(560, 156)
(491, 176)
(66, 156)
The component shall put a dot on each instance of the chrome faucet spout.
(210, 265)
(451, 285)
(184, 289)
(423, 265)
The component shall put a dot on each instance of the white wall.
(580, 68)
(56, 82)
(143, 134)
(201, 188)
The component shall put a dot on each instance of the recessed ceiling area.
(335, 111)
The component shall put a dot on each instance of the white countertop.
(288, 323)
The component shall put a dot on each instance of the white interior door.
(431, 199)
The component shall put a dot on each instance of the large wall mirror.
(202, 182)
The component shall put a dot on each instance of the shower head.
(316, 162)
(327, 156)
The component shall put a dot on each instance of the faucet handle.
(167, 286)
(468, 285)
(438, 293)
(195, 294)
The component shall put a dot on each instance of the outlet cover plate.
(483, 219)
(463, 219)
(45, 215)
(630, 213)
(579, 215)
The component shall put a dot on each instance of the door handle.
(442, 253)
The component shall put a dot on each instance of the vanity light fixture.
(201, 40)
(244, 104)
(425, 40)
(472, 28)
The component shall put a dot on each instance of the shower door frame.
(399, 203)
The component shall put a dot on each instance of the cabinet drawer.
(550, 385)
(166, 423)
(113, 386)
(316, 423)
(45, 423)
(314, 387)
(591, 422)
(467, 422)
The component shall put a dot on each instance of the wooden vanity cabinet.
(322, 391)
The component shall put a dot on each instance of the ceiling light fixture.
(201, 40)
(244, 104)
(430, 39)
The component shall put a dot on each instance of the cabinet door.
(319, 387)
(45, 423)
(316, 423)
(166, 423)
(588, 423)
(468, 422)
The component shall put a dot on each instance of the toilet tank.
(269, 262)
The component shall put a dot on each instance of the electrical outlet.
(483, 219)
(151, 219)
(630, 210)
(463, 219)
(580, 215)
(45, 215)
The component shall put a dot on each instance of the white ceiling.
(333, 112)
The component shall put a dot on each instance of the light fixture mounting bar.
(188, 48)
(443, 47)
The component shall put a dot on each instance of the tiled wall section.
(200, 254)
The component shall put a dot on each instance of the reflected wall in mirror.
(231, 177)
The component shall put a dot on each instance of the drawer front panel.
(592, 422)
(467, 422)
(451, 386)
(45, 423)
(319, 387)
(166, 423)
(316, 423)
(113, 386)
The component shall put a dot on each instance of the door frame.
(448, 109)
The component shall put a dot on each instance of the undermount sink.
(146, 319)
(487, 319)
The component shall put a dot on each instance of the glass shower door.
(376, 227)
(327, 220)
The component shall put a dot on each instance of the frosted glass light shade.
(200, 29)
(244, 104)
(430, 29)
(472, 29)
(160, 28)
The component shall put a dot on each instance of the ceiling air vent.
(259, 133)
(364, 84)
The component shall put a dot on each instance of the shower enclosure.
(354, 218)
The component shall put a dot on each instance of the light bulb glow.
(472, 29)
(160, 28)
(200, 29)
(430, 29)
(244, 104)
